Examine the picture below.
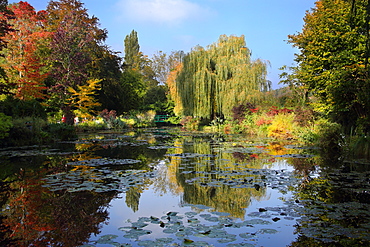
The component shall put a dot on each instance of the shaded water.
(166, 187)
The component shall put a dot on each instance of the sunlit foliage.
(333, 60)
(23, 63)
(214, 79)
(83, 98)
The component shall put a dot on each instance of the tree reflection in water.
(222, 174)
(222, 198)
(35, 216)
(335, 204)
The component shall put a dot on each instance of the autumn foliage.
(24, 65)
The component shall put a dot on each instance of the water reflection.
(335, 202)
(34, 216)
(206, 164)
(161, 187)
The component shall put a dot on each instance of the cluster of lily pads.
(29, 151)
(247, 178)
(98, 176)
(195, 229)
(328, 220)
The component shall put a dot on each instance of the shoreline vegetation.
(301, 126)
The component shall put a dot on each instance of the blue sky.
(170, 25)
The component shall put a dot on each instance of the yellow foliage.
(282, 126)
(174, 94)
(83, 98)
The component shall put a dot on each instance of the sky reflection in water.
(166, 188)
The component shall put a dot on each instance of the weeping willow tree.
(212, 81)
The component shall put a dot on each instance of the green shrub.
(174, 120)
(307, 135)
(21, 108)
(329, 135)
(27, 131)
(127, 122)
(62, 131)
(55, 117)
(5, 125)
(91, 124)
(360, 147)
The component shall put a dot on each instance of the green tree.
(145, 93)
(107, 66)
(132, 51)
(134, 90)
(211, 81)
(333, 60)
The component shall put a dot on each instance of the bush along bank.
(31, 130)
(36, 131)
(301, 125)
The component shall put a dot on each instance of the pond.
(168, 187)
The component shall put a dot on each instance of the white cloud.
(162, 11)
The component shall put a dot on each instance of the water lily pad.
(212, 219)
(256, 222)
(227, 240)
(246, 235)
(106, 239)
(148, 243)
(241, 245)
(267, 231)
(172, 213)
(193, 221)
(170, 230)
(139, 225)
(164, 240)
(190, 214)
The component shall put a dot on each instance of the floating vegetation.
(162, 147)
(247, 178)
(336, 207)
(32, 151)
(188, 229)
(190, 155)
(104, 162)
(98, 178)
(221, 191)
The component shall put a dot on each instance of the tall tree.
(107, 66)
(138, 67)
(163, 64)
(23, 63)
(76, 38)
(59, 9)
(333, 59)
(132, 51)
(5, 28)
(213, 80)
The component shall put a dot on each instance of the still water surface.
(167, 187)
